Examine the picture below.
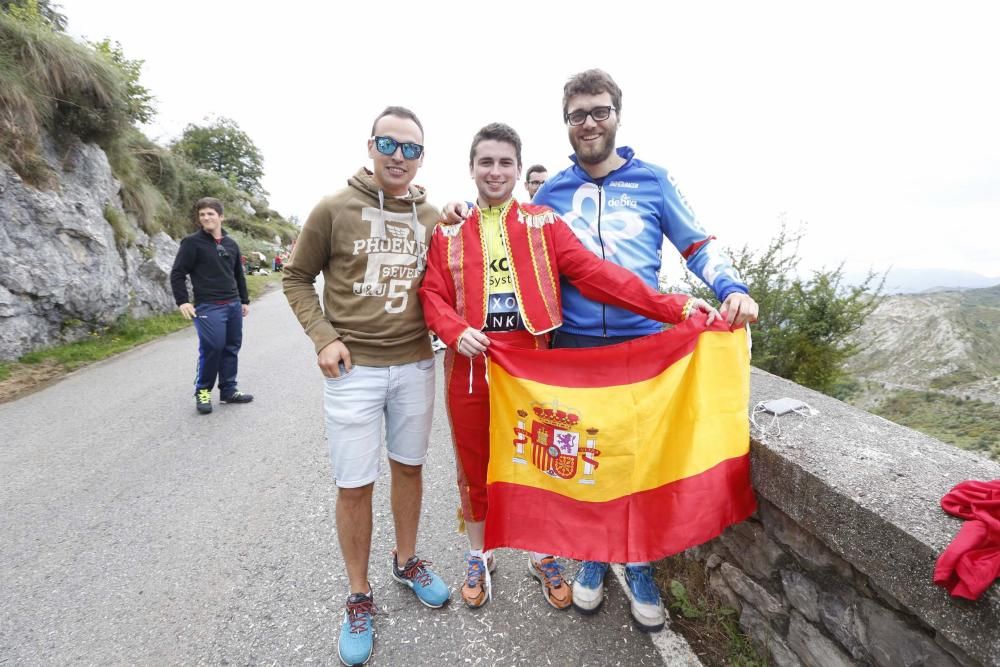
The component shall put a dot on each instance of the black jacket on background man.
(215, 270)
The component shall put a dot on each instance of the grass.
(124, 236)
(954, 379)
(52, 87)
(696, 612)
(969, 424)
(122, 336)
(52, 83)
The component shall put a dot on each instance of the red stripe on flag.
(603, 366)
(645, 526)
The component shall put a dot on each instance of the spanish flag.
(625, 453)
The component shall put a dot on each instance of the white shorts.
(355, 404)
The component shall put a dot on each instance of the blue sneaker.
(415, 573)
(355, 644)
(647, 606)
(588, 586)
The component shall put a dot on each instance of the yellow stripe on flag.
(643, 435)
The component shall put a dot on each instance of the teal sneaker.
(356, 637)
(428, 587)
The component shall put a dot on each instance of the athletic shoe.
(554, 588)
(647, 606)
(476, 590)
(588, 586)
(356, 637)
(415, 573)
(237, 397)
(203, 401)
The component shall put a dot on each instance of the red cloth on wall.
(972, 561)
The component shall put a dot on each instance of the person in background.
(536, 176)
(211, 258)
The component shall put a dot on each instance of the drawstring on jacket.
(415, 219)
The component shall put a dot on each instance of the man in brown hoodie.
(370, 243)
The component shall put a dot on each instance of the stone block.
(891, 642)
(767, 640)
(960, 656)
(813, 647)
(749, 545)
(771, 607)
(839, 615)
(801, 593)
(813, 554)
(717, 583)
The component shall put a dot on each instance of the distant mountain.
(912, 281)
(946, 340)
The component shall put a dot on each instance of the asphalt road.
(133, 530)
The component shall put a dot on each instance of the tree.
(805, 328)
(222, 147)
(138, 99)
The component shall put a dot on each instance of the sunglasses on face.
(579, 117)
(388, 146)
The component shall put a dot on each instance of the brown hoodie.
(372, 251)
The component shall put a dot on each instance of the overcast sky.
(876, 125)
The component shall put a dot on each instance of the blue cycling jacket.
(623, 218)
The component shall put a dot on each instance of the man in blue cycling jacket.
(622, 209)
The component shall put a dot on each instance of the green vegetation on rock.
(55, 91)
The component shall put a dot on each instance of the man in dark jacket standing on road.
(212, 259)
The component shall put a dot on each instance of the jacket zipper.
(600, 209)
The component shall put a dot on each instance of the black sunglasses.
(222, 251)
(579, 117)
(388, 146)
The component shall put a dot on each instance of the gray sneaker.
(237, 397)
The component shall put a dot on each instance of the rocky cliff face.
(62, 273)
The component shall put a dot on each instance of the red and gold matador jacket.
(541, 248)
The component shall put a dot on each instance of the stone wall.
(835, 566)
(62, 271)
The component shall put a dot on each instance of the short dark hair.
(398, 112)
(532, 169)
(207, 202)
(496, 132)
(592, 82)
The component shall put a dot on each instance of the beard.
(595, 153)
